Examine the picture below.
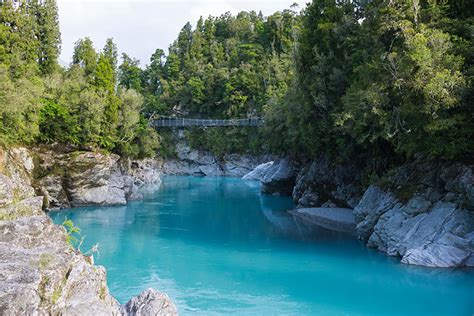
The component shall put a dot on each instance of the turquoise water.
(217, 246)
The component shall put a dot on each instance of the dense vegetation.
(40, 102)
(389, 79)
(385, 80)
(227, 67)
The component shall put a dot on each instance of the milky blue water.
(217, 246)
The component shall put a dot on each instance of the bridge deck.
(185, 122)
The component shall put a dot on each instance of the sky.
(138, 27)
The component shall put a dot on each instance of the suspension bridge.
(189, 122)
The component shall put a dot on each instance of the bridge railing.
(185, 122)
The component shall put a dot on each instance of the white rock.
(259, 172)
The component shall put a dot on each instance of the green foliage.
(227, 67)
(48, 34)
(73, 233)
(39, 102)
(226, 141)
(130, 74)
(383, 79)
(55, 123)
(386, 80)
(85, 55)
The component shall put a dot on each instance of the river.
(215, 245)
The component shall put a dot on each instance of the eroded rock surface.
(337, 219)
(40, 273)
(203, 163)
(322, 182)
(149, 303)
(259, 172)
(279, 178)
(434, 227)
(79, 178)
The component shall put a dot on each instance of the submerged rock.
(338, 219)
(279, 178)
(149, 303)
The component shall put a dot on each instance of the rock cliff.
(78, 178)
(190, 161)
(422, 212)
(40, 273)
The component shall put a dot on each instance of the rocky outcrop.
(323, 183)
(79, 178)
(259, 172)
(422, 212)
(16, 169)
(279, 178)
(148, 303)
(144, 172)
(425, 215)
(40, 273)
(192, 162)
(203, 163)
(94, 179)
(337, 219)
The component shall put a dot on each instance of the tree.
(130, 74)
(85, 55)
(48, 34)
(111, 54)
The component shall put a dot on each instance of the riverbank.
(39, 271)
(421, 212)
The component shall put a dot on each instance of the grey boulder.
(259, 172)
(149, 303)
(279, 178)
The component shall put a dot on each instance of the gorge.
(323, 163)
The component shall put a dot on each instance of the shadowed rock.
(338, 219)
(279, 178)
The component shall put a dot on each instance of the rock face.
(149, 303)
(279, 178)
(338, 219)
(202, 163)
(40, 273)
(81, 178)
(145, 172)
(94, 179)
(259, 172)
(434, 227)
(323, 183)
(422, 212)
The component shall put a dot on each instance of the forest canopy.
(380, 79)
